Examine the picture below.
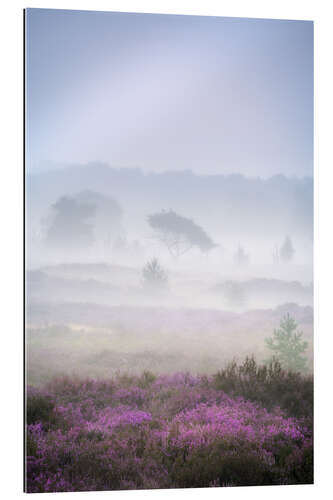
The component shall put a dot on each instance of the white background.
(11, 247)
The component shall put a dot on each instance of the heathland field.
(129, 389)
(245, 425)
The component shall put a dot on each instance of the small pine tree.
(241, 257)
(287, 346)
(287, 250)
(154, 276)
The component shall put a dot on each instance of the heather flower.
(159, 432)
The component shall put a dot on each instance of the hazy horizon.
(48, 166)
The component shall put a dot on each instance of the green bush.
(39, 407)
(229, 467)
(269, 384)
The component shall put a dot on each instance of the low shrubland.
(268, 384)
(246, 425)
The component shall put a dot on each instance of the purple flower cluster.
(164, 432)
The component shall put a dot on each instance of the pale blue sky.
(162, 92)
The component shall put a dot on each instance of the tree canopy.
(179, 234)
(69, 226)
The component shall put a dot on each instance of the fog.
(168, 251)
(169, 190)
(166, 272)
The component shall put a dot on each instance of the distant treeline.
(231, 204)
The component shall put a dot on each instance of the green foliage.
(146, 379)
(39, 407)
(268, 384)
(287, 345)
(222, 461)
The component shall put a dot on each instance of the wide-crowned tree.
(179, 234)
(69, 224)
(107, 220)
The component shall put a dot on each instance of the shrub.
(167, 431)
(226, 466)
(269, 384)
(154, 277)
(39, 406)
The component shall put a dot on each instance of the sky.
(163, 92)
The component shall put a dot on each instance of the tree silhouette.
(179, 234)
(287, 250)
(67, 227)
(107, 217)
(154, 276)
(241, 258)
(287, 345)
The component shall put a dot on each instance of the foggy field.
(122, 285)
(97, 319)
(98, 341)
(129, 270)
(89, 319)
